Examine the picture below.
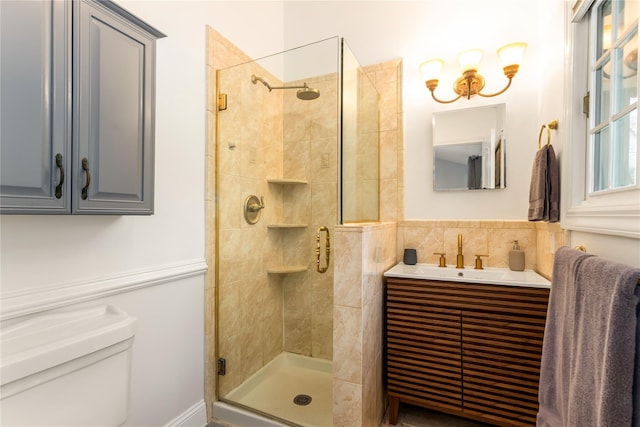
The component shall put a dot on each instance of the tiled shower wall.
(360, 153)
(310, 147)
(260, 314)
(249, 150)
(387, 79)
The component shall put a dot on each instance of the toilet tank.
(67, 369)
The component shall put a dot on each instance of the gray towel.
(588, 357)
(544, 189)
(635, 396)
(552, 193)
(538, 186)
(474, 172)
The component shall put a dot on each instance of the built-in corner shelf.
(286, 269)
(287, 226)
(284, 181)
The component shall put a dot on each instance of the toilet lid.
(49, 340)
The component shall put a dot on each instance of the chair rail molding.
(34, 300)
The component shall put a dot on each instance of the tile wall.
(249, 150)
(387, 79)
(275, 135)
(310, 136)
(482, 237)
(363, 253)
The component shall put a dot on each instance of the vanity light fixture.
(472, 83)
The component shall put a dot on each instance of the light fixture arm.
(431, 85)
(497, 93)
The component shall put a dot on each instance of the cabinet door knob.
(85, 168)
(61, 167)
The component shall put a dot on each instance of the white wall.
(419, 30)
(151, 266)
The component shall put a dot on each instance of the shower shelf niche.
(286, 269)
(285, 181)
(287, 226)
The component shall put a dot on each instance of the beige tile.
(326, 147)
(388, 156)
(372, 318)
(518, 224)
(388, 200)
(491, 224)
(297, 313)
(474, 242)
(501, 242)
(323, 209)
(347, 343)
(447, 223)
(426, 241)
(347, 404)
(373, 394)
(348, 269)
(322, 316)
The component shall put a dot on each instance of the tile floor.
(414, 416)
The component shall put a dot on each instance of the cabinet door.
(34, 87)
(502, 347)
(113, 132)
(423, 347)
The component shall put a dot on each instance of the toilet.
(70, 368)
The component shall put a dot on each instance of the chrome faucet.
(460, 257)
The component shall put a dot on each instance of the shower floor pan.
(287, 379)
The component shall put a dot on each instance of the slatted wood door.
(423, 348)
(502, 348)
(468, 349)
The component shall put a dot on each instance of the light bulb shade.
(431, 69)
(469, 59)
(511, 54)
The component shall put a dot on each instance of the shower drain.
(302, 399)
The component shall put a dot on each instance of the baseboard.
(32, 301)
(195, 416)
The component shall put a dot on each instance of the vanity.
(466, 342)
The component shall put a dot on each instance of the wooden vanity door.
(502, 348)
(423, 349)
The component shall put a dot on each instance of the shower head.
(305, 93)
(308, 93)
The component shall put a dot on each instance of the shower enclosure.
(297, 154)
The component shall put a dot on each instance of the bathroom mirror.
(469, 149)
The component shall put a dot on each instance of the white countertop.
(491, 276)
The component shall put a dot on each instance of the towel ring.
(553, 124)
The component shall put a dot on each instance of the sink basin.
(496, 276)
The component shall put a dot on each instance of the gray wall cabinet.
(77, 116)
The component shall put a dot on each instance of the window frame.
(611, 212)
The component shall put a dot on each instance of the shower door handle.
(327, 249)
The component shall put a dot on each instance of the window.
(614, 76)
(603, 192)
